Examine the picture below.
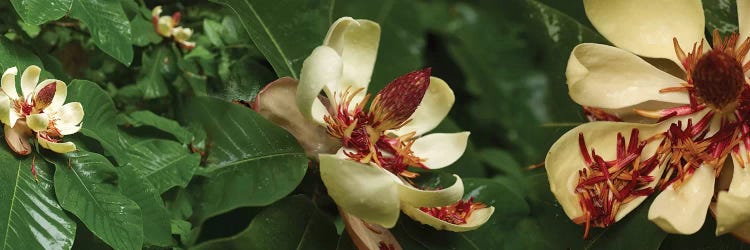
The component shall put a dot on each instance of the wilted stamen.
(395, 103)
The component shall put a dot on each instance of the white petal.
(61, 92)
(321, 68)
(607, 77)
(9, 83)
(365, 191)
(414, 197)
(70, 114)
(13, 117)
(564, 159)
(5, 109)
(18, 139)
(440, 150)
(647, 27)
(683, 211)
(435, 105)
(58, 147)
(477, 219)
(357, 43)
(29, 79)
(733, 206)
(37, 122)
(68, 130)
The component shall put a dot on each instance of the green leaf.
(292, 223)
(12, 55)
(285, 31)
(705, 238)
(721, 15)
(30, 217)
(148, 118)
(157, 228)
(250, 161)
(164, 164)
(99, 122)
(213, 31)
(38, 12)
(156, 63)
(108, 25)
(83, 187)
(241, 79)
(143, 31)
(502, 161)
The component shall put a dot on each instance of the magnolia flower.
(668, 127)
(39, 110)
(166, 26)
(364, 153)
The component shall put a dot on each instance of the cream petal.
(477, 219)
(733, 206)
(37, 122)
(61, 92)
(414, 197)
(156, 11)
(58, 147)
(164, 26)
(18, 139)
(68, 130)
(564, 159)
(29, 79)
(435, 105)
(9, 83)
(642, 27)
(607, 77)
(70, 114)
(182, 34)
(13, 117)
(356, 41)
(683, 211)
(439, 150)
(5, 109)
(322, 67)
(743, 16)
(365, 191)
(273, 103)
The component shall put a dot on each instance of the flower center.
(457, 213)
(718, 79)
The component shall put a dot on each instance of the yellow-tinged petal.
(414, 197)
(607, 77)
(440, 150)
(18, 138)
(647, 27)
(164, 26)
(733, 206)
(37, 122)
(321, 68)
(181, 34)
(743, 16)
(9, 83)
(356, 41)
(477, 219)
(58, 147)
(365, 191)
(5, 109)
(156, 11)
(435, 105)
(683, 211)
(29, 79)
(70, 114)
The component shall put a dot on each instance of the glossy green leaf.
(292, 223)
(163, 163)
(213, 31)
(31, 217)
(108, 25)
(285, 31)
(41, 11)
(13, 55)
(143, 32)
(721, 15)
(83, 185)
(148, 118)
(250, 161)
(155, 64)
(241, 79)
(157, 229)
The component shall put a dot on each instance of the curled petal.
(356, 41)
(477, 219)
(321, 68)
(70, 114)
(59, 147)
(37, 122)
(607, 77)
(9, 83)
(29, 79)
(641, 27)
(414, 197)
(440, 150)
(156, 11)
(18, 138)
(435, 105)
(365, 191)
(683, 211)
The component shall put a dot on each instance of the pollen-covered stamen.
(457, 213)
(398, 100)
(718, 79)
(44, 97)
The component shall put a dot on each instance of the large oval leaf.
(30, 217)
(108, 25)
(37, 12)
(249, 161)
(83, 187)
(12, 55)
(164, 164)
(156, 220)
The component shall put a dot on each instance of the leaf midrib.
(12, 204)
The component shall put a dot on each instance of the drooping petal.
(477, 219)
(683, 211)
(641, 26)
(58, 97)
(37, 122)
(9, 83)
(365, 191)
(18, 139)
(276, 103)
(607, 77)
(356, 41)
(435, 105)
(439, 150)
(321, 68)
(564, 159)
(414, 197)
(70, 114)
(733, 205)
(29, 79)
(368, 236)
(59, 147)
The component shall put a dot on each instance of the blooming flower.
(681, 120)
(368, 175)
(166, 26)
(38, 110)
